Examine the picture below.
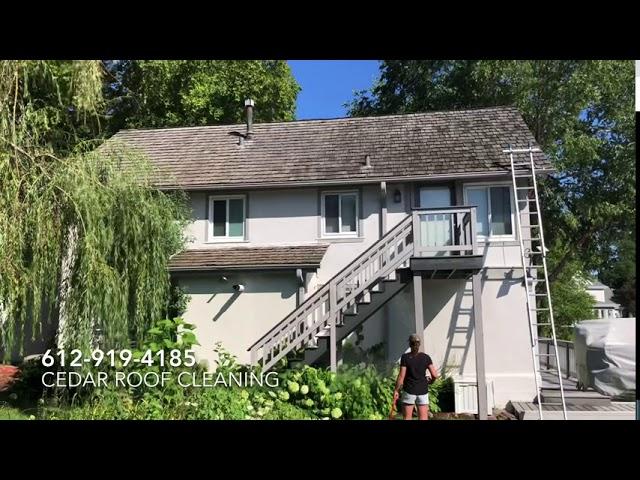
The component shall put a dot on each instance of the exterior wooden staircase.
(343, 303)
(314, 330)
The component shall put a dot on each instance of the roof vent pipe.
(248, 106)
(367, 160)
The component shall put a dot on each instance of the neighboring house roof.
(607, 305)
(608, 294)
(246, 258)
(310, 152)
(596, 285)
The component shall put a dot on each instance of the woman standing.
(413, 380)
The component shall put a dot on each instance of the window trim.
(487, 186)
(211, 238)
(323, 223)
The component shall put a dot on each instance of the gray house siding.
(292, 216)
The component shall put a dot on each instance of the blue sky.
(328, 84)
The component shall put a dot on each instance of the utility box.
(466, 396)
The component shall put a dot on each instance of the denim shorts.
(410, 399)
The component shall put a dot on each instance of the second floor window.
(226, 218)
(494, 210)
(340, 214)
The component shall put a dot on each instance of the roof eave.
(219, 268)
(343, 181)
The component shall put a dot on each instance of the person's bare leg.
(407, 411)
(423, 412)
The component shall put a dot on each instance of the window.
(340, 214)
(226, 218)
(494, 212)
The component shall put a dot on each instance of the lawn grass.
(11, 413)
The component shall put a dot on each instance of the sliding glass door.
(436, 230)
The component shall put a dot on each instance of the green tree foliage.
(81, 239)
(581, 113)
(183, 93)
(571, 302)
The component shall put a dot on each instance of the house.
(310, 234)
(604, 307)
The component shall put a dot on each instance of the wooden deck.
(588, 405)
(614, 411)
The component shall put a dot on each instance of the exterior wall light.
(397, 196)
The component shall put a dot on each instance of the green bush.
(355, 392)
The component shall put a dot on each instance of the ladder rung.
(545, 354)
(531, 239)
(545, 404)
(534, 253)
(524, 188)
(539, 309)
(541, 324)
(538, 294)
(526, 199)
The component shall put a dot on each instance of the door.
(436, 230)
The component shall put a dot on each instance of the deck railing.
(566, 356)
(444, 231)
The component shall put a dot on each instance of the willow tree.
(84, 241)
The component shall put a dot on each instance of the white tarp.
(606, 356)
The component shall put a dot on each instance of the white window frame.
(487, 186)
(340, 194)
(227, 238)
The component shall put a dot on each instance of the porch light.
(397, 196)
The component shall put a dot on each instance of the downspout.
(301, 287)
(383, 231)
(383, 208)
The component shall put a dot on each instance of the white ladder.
(536, 250)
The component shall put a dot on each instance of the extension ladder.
(534, 265)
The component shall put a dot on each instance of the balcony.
(445, 241)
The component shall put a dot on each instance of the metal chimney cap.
(249, 103)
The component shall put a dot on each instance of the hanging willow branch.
(78, 232)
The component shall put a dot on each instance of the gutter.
(347, 181)
(247, 267)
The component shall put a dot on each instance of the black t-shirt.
(415, 380)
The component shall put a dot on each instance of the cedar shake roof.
(240, 258)
(324, 151)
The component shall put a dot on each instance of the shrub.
(354, 392)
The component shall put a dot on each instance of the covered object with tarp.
(606, 356)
